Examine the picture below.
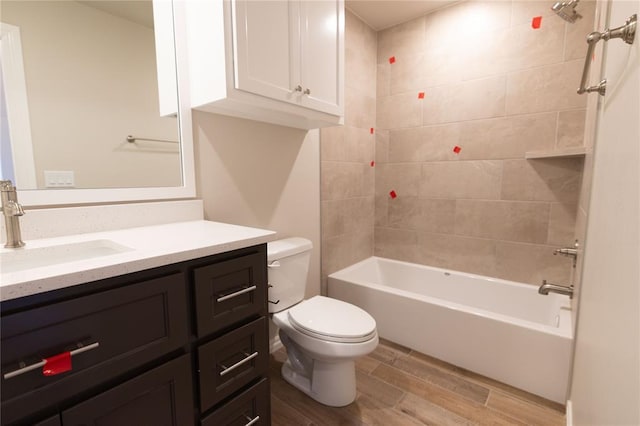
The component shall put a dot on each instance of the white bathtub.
(500, 329)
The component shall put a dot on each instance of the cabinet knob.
(298, 88)
(307, 91)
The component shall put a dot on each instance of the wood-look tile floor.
(398, 386)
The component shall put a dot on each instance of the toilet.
(322, 336)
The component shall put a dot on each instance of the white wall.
(91, 81)
(258, 174)
(605, 388)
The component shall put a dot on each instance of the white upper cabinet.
(275, 61)
(321, 37)
(265, 57)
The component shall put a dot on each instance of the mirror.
(90, 102)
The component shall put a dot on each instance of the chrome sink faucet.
(11, 210)
(546, 288)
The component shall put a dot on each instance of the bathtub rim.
(565, 330)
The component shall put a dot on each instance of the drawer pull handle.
(252, 421)
(237, 293)
(37, 365)
(226, 370)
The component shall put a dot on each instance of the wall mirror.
(90, 101)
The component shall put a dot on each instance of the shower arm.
(626, 32)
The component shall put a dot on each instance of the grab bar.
(132, 139)
(626, 32)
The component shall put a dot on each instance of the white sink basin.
(28, 258)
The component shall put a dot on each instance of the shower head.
(567, 10)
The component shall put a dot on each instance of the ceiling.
(381, 14)
(378, 14)
(140, 12)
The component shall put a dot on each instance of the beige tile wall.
(495, 87)
(347, 176)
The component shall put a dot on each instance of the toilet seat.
(332, 320)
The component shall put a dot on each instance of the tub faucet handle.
(569, 252)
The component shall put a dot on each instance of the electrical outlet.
(59, 179)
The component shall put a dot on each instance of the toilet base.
(331, 383)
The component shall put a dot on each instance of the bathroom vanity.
(172, 331)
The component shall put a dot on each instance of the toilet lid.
(332, 320)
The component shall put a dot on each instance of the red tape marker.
(393, 194)
(371, 130)
(57, 364)
(457, 149)
(420, 95)
(373, 163)
(392, 60)
(535, 22)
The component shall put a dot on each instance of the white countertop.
(146, 247)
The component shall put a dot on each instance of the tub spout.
(546, 287)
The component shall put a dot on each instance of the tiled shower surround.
(495, 87)
(346, 152)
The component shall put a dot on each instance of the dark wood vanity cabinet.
(183, 344)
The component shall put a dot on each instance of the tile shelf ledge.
(577, 151)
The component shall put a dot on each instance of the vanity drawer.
(232, 361)
(252, 405)
(126, 327)
(230, 291)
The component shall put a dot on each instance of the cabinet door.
(160, 397)
(126, 328)
(322, 55)
(264, 56)
(51, 421)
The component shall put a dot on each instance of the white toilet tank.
(287, 266)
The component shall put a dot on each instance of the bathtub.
(500, 329)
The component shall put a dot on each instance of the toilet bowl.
(322, 336)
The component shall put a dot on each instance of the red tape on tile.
(392, 60)
(371, 130)
(57, 364)
(457, 149)
(393, 194)
(372, 164)
(535, 22)
(420, 95)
